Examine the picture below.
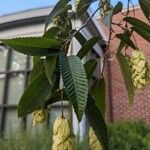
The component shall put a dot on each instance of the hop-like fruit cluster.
(59, 21)
(140, 70)
(105, 8)
(93, 140)
(63, 139)
(39, 116)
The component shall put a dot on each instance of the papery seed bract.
(93, 140)
(39, 116)
(63, 138)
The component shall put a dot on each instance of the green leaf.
(98, 92)
(138, 23)
(56, 97)
(50, 65)
(57, 77)
(140, 27)
(82, 6)
(122, 44)
(52, 32)
(145, 6)
(97, 122)
(88, 46)
(90, 67)
(36, 59)
(38, 68)
(143, 33)
(127, 75)
(34, 46)
(75, 82)
(34, 96)
(118, 8)
(126, 39)
(79, 36)
(56, 11)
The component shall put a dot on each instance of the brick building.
(117, 103)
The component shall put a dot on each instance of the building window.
(14, 74)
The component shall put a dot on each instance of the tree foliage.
(45, 87)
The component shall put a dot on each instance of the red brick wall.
(119, 109)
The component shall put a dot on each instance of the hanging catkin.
(93, 140)
(140, 70)
(39, 116)
(63, 138)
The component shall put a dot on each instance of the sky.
(12, 6)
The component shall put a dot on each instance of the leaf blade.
(118, 8)
(98, 92)
(52, 32)
(79, 36)
(126, 39)
(127, 75)
(56, 10)
(88, 46)
(34, 46)
(142, 33)
(50, 65)
(34, 96)
(37, 69)
(75, 82)
(145, 6)
(138, 23)
(97, 122)
(90, 66)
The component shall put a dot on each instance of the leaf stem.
(62, 108)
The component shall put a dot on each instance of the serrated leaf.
(97, 122)
(127, 75)
(138, 23)
(52, 32)
(126, 39)
(141, 32)
(145, 6)
(88, 46)
(34, 96)
(50, 65)
(56, 11)
(34, 46)
(118, 8)
(75, 82)
(38, 68)
(98, 92)
(89, 67)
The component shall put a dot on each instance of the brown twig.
(119, 25)
(108, 48)
(83, 26)
(132, 7)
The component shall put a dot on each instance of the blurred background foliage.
(123, 136)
